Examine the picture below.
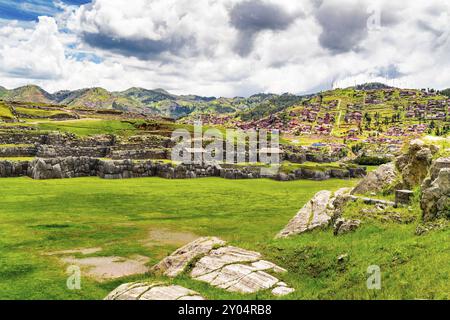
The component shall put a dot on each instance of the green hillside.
(28, 93)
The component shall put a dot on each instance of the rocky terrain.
(416, 168)
(209, 260)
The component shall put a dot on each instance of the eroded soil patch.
(169, 237)
(106, 268)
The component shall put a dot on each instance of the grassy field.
(38, 112)
(88, 127)
(5, 112)
(38, 217)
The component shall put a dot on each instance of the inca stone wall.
(54, 151)
(64, 155)
(140, 154)
(22, 138)
(61, 168)
(10, 169)
(72, 167)
(18, 151)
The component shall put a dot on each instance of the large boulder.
(318, 212)
(437, 166)
(343, 226)
(377, 180)
(415, 164)
(435, 199)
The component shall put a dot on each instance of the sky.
(224, 47)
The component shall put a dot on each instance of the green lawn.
(5, 112)
(37, 217)
(89, 127)
(39, 112)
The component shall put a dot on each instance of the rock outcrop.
(414, 165)
(343, 226)
(437, 166)
(377, 180)
(226, 267)
(177, 262)
(435, 199)
(152, 291)
(318, 212)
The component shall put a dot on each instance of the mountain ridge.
(160, 102)
(147, 101)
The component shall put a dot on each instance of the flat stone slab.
(225, 267)
(221, 257)
(282, 291)
(152, 291)
(177, 262)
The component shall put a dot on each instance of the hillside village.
(371, 125)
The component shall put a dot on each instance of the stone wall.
(71, 167)
(61, 168)
(124, 169)
(22, 138)
(17, 151)
(144, 141)
(55, 151)
(9, 169)
(140, 154)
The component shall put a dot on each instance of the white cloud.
(190, 47)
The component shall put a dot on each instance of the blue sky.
(224, 47)
(31, 10)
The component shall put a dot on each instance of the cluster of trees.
(270, 106)
(433, 128)
(377, 119)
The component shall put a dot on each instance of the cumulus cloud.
(37, 54)
(229, 47)
(254, 16)
(344, 25)
(140, 47)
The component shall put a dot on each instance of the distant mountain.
(96, 98)
(146, 96)
(3, 91)
(153, 102)
(28, 93)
